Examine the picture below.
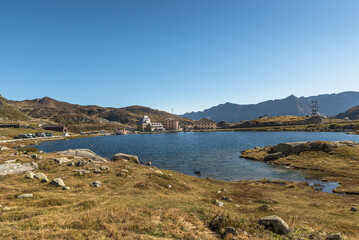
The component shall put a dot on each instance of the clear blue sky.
(188, 55)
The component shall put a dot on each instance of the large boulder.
(272, 156)
(298, 147)
(275, 224)
(125, 157)
(84, 153)
(15, 168)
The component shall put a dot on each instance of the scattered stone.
(224, 190)
(169, 186)
(30, 175)
(71, 164)
(84, 153)
(124, 170)
(80, 173)
(58, 182)
(159, 172)
(219, 203)
(231, 230)
(25, 195)
(275, 224)
(126, 157)
(80, 163)
(39, 157)
(265, 207)
(96, 184)
(104, 167)
(97, 170)
(10, 161)
(216, 223)
(35, 165)
(219, 192)
(353, 209)
(335, 236)
(4, 148)
(122, 174)
(42, 177)
(66, 188)
(0, 205)
(229, 199)
(272, 156)
(15, 168)
(34, 156)
(62, 160)
(6, 208)
(148, 163)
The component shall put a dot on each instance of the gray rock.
(15, 168)
(148, 163)
(42, 177)
(66, 188)
(30, 175)
(217, 223)
(34, 156)
(104, 167)
(58, 182)
(11, 161)
(85, 153)
(62, 160)
(35, 165)
(80, 163)
(335, 236)
(229, 199)
(219, 203)
(125, 157)
(96, 184)
(7, 208)
(275, 224)
(231, 230)
(71, 164)
(25, 195)
(265, 207)
(272, 156)
(97, 170)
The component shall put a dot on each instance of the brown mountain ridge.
(67, 113)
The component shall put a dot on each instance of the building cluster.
(171, 124)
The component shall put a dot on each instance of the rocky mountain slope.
(9, 112)
(352, 113)
(63, 112)
(329, 104)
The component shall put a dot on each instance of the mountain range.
(62, 112)
(329, 104)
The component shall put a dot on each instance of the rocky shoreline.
(327, 161)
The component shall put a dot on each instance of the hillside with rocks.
(63, 112)
(352, 113)
(9, 112)
(329, 104)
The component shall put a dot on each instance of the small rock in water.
(25, 195)
(58, 182)
(96, 184)
(219, 203)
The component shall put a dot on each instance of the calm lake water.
(215, 154)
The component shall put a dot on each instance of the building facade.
(171, 124)
(204, 123)
(145, 124)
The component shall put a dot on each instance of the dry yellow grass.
(140, 205)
